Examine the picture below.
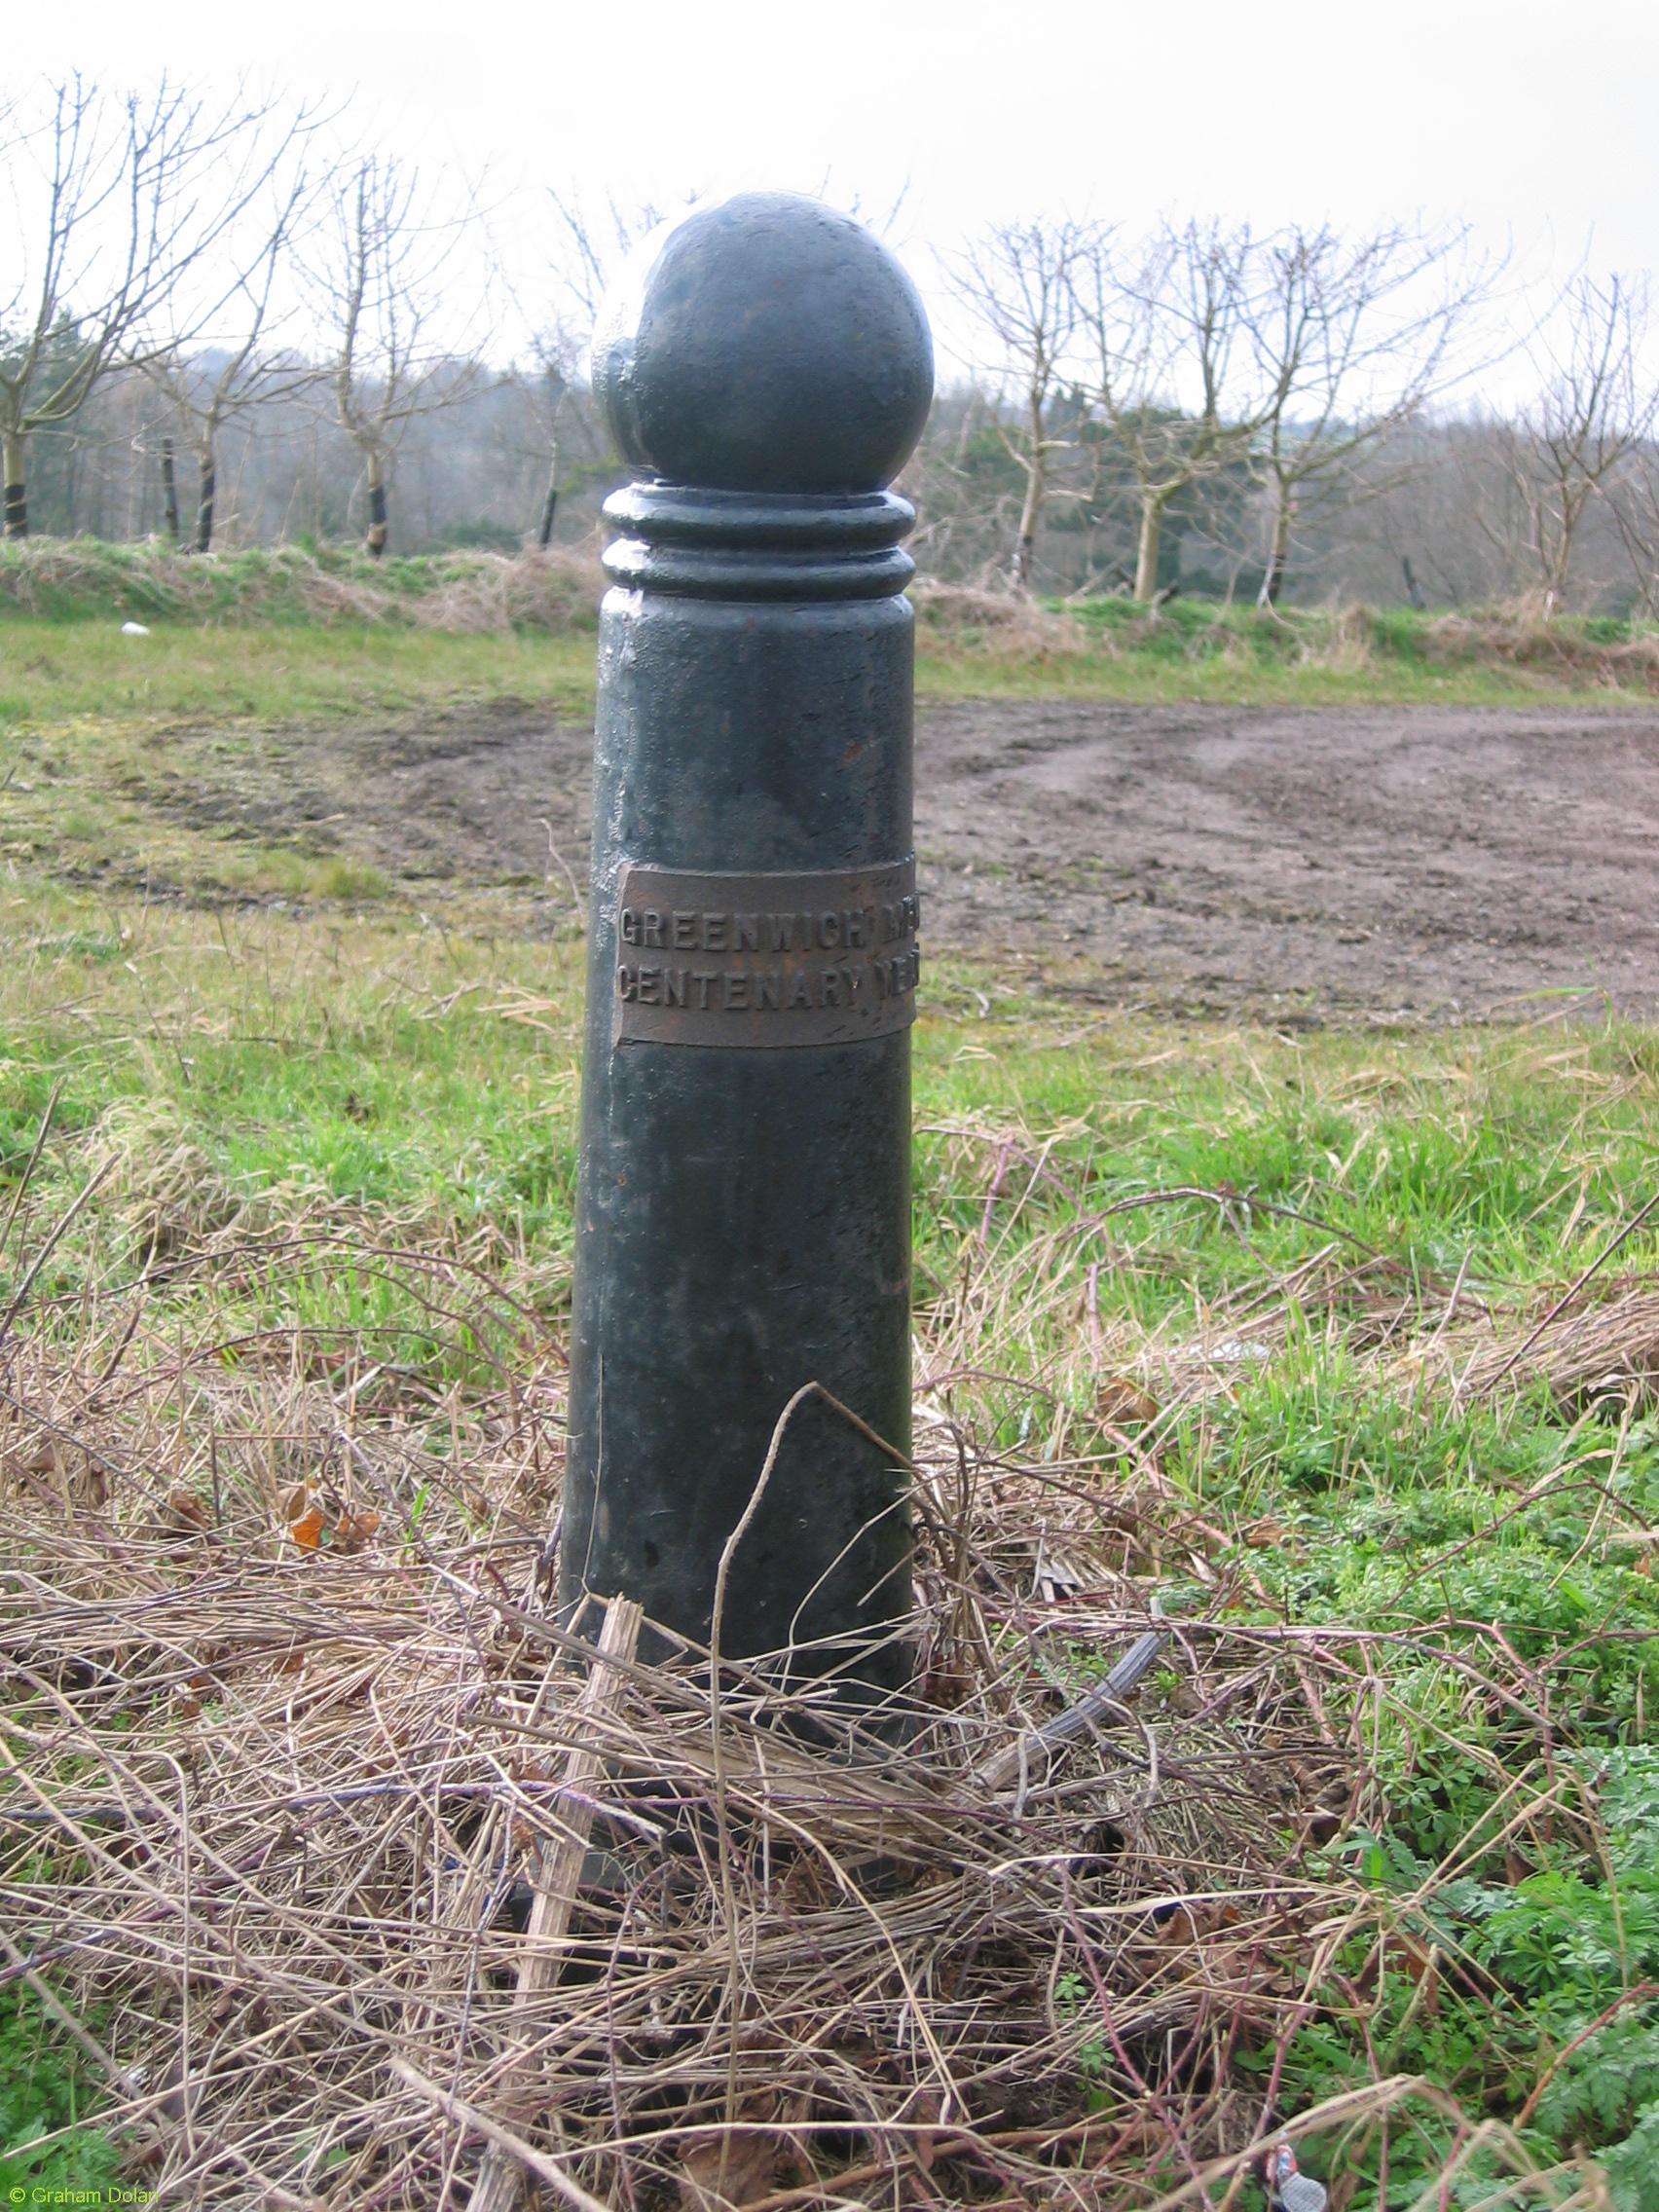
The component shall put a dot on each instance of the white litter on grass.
(134, 629)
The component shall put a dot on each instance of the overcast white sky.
(1537, 121)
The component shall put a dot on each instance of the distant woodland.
(230, 329)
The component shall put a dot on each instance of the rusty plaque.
(765, 960)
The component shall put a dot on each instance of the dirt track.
(1385, 861)
(1320, 863)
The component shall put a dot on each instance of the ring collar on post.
(756, 544)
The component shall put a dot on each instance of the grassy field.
(1367, 1230)
(102, 735)
(267, 637)
(91, 678)
(1346, 1344)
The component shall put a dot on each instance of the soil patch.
(1392, 862)
(1327, 865)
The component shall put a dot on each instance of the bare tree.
(967, 489)
(1350, 338)
(377, 271)
(555, 385)
(556, 431)
(1168, 326)
(589, 250)
(1403, 512)
(118, 199)
(208, 389)
(1635, 506)
(169, 492)
(1595, 413)
(1019, 283)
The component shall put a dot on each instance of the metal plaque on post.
(766, 960)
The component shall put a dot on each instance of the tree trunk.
(169, 491)
(1278, 551)
(374, 545)
(550, 504)
(1146, 553)
(1413, 590)
(1025, 543)
(207, 465)
(1031, 508)
(17, 493)
(1559, 571)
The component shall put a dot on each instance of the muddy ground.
(1328, 864)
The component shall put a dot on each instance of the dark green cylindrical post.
(742, 1221)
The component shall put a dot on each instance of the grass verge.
(86, 679)
(296, 636)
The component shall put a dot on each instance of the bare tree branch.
(1174, 381)
(1350, 338)
(206, 391)
(1593, 414)
(376, 267)
(1017, 281)
(120, 200)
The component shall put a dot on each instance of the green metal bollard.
(742, 1217)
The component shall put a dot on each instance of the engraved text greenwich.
(756, 960)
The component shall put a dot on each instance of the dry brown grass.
(37, 575)
(537, 591)
(1350, 642)
(1600, 1345)
(291, 1726)
(274, 1802)
(462, 593)
(291, 1733)
(994, 625)
(1516, 638)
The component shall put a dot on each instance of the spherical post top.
(767, 343)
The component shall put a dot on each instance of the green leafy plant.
(1073, 1998)
(44, 2087)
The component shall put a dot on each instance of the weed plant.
(47, 2087)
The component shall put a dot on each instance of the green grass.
(1197, 649)
(1185, 629)
(373, 1079)
(87, 678)
(47, 2089)
(303, 1074)
(89, 580)
(1154, 682)
(287, 635)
